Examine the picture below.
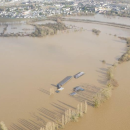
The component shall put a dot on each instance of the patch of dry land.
(29, 67)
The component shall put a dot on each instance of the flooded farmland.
(31, 66)
(18, 27)
(105, 18)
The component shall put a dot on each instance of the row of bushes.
(126, 56)
(105, 93)
(68, 116)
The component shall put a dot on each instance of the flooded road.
(29, 67)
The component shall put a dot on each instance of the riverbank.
(47, 30)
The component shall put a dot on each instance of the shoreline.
(98, 22)
(63, 19)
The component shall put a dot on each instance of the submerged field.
(31, 66)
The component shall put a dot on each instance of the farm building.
(78, 75)
(65, 80)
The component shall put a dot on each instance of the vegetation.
(114, 65)
(109, 74)
(97, 32)
(48, 29)
(116, 13)
(103, 95)
(103, 61)
(69, 115)
(2, 126)
(113, 82)
(126, 56)
(128, 42)
(97, 100)
(106, 93)
(51, 91)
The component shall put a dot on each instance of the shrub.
(110, 74)
(97, 103)
(97, 100)
(106, 93)
(114, 83)
(109, 85)
(103, 61)
(74, 116)
(2, 126)
(114, 65)
(126, 56)
(97, 32)
(128, 41)
(48, 29)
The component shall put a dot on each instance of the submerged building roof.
(79, 74)
(65, 80)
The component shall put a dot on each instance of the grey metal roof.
(65, 80)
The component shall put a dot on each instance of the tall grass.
(126, 56)
(85, 107)
(103, 95)
(68, 116)
(2, 126)
(110, 74)
(97, 100)
(106, 93)
(63, 121)
(52, 91)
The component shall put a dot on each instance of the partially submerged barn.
(78, 75)
(64, 81)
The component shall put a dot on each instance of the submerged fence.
(68, 116)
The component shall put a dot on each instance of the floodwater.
(29, 67)
(16, 26)
(45, 22)
(20, 28)
(104, 18)
(1, 29)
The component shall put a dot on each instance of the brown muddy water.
(104, 18)
(20, 28)
(45, 22)
(29, 67)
